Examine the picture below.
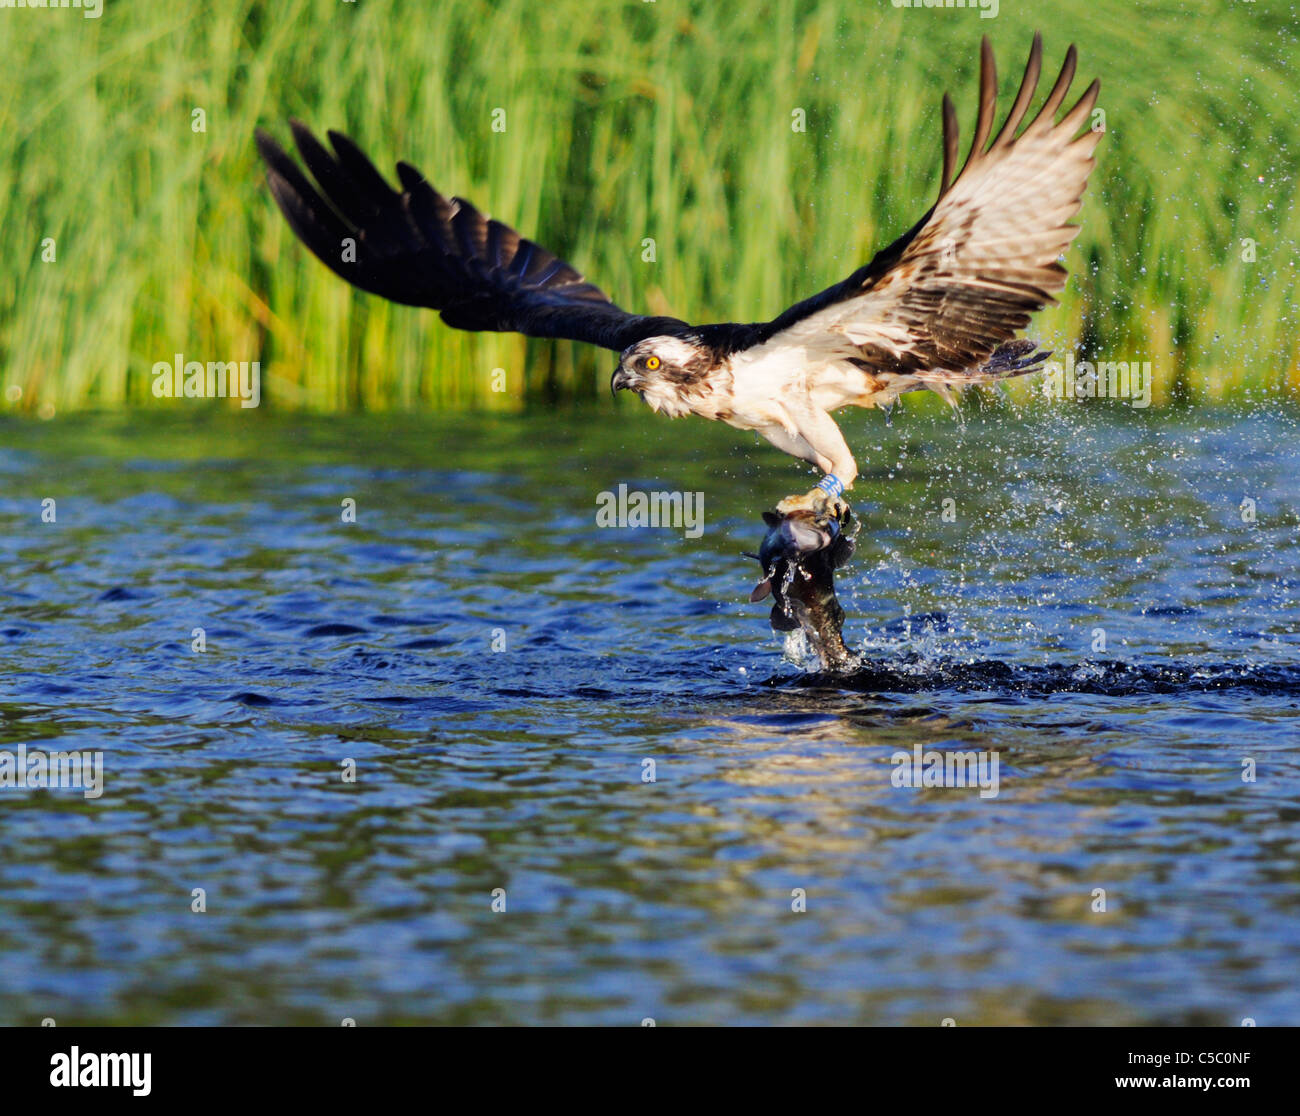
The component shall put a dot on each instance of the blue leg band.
(831, 485)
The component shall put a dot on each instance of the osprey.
(939, 308)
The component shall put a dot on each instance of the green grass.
(628, 120)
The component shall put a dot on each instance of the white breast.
(773, 378)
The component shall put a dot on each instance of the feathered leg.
(831, 454)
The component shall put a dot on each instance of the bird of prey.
(939, 308)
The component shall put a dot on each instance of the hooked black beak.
(620, 379)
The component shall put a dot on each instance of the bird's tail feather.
(1015, 358)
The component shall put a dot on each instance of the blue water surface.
(594, 729)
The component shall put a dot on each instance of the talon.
(835, 507)
(792, 504)
(817, 502)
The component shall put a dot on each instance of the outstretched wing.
(967, 276)
(421, 249)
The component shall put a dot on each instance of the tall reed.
(653, 144)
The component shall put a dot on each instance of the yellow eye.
(652, 363)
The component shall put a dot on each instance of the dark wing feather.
(965, 278)
(421, 249)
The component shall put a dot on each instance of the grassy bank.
(623, 121)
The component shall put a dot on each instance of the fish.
(799, 555)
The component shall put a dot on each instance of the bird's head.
(662, 370)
